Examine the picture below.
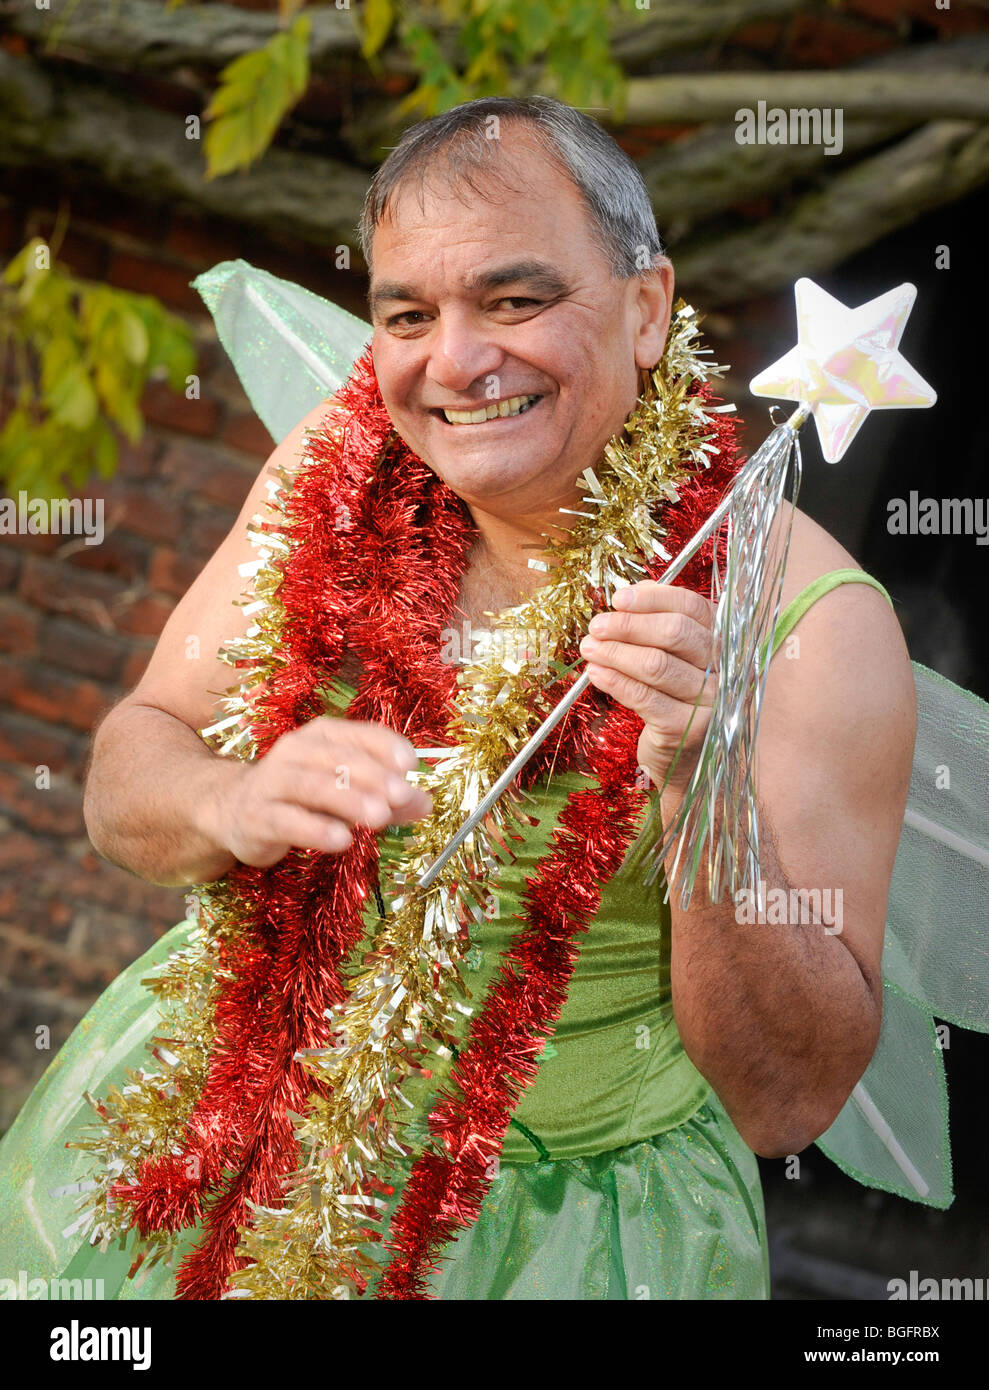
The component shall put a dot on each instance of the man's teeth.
(514, 406)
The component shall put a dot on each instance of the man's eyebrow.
(538, 275)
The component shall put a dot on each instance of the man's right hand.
(313, 784)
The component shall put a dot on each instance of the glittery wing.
(893, 1132)
(291, 349)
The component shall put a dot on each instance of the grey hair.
(457, 143)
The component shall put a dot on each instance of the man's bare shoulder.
(844, 690)
(813, 552)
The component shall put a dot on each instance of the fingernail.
(405, 758)
(398, 788)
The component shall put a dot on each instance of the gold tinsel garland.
(400, 998)
(400, 1001)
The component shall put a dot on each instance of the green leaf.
(255, 92)
(105, 451)
(72, 399)
(134, 338)
(378, 18)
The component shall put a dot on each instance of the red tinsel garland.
(379, 546)
(444, 1191)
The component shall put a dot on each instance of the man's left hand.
(650, 652)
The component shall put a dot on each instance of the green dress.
(621, 1177)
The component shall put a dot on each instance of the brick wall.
(78, 622)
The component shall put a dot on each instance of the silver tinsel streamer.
(716, 825)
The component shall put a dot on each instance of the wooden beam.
(82, 126)
(933, 166)
(717, 96)
(709, 172)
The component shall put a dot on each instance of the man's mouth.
(498, 410)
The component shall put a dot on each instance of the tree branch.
(715, 96)
(936, 165)
(79, 125)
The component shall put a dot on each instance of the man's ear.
(654, 305)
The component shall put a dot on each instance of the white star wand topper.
(845, 364)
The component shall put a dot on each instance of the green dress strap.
(816, 589)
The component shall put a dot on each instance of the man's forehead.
(532, 271)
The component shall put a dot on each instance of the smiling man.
(519, 297)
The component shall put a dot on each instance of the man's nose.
(460, 351)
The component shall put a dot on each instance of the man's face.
(553, 325)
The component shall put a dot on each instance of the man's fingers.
(675, 632)
(292, 825)
(659, 705)
(374, 739)
(648, 596)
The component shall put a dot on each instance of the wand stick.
(582, 682)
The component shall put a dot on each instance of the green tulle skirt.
(676, 1216)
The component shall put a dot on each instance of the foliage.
(81, 354)
(255, 92)
(560, 47)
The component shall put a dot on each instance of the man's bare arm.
(783, 1019)
(160, 803)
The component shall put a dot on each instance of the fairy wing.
(291, 348)
(893, 1132)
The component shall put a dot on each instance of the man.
(515, 264)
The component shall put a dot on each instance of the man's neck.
(504, 548)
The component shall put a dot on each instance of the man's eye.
(518, 302)
(409, 313)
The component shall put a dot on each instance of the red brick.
(12, 237)
(201, 470)
(195, 240)
(172, 573)
(762, 36)
(92, 597)
(145, 617)
(72, 647)
(41, 543)
(144, 275)
(50, 694)
(960, 19)
(85, 255)
(161, 406)
(139, 460)
(137, 221)
(119, 553)
(18, 850)
(135, 666)
(29, 741)
(108, 886)
(247, 432)
(10, 564)
(55, 810)
(18, 627)
(151, 514)
(822, 41)
(208, 531)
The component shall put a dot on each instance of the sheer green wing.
(291, 349)
(893, 1133)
